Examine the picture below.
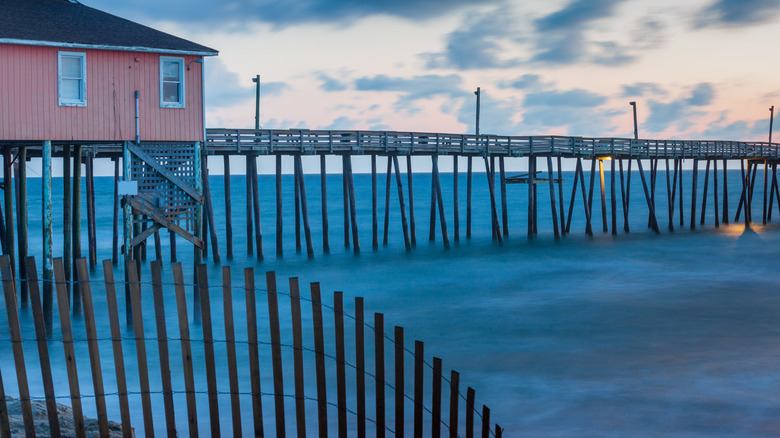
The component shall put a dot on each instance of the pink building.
(71, 73)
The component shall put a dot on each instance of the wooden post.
(725, 214)
(402, 206)
(324, 204)
(704, 193)
(162, 347)
(552, 196)
(12, 309)
(436, 399)
(279, 217)
(140, 347)
(455, 212)
(502, 177)
(300, 398)
(613, 196)
(772, 191)
(172, 244)
(48, 235)
(319, 360)
(252, 344)
(157, 245)
(186, 350)
(230, 345)
(693, 192)
(485, 422)
(304, 206)
(654, 222)
(454, 402)
(440, 201)
(341, 372)
(623, 196)
(297, 203)
(208, 347)
(127, 233)
(432, 222)
(228, 207)
(21, 218)
(210, 211)
(94, 352)
(352, 205)
(715, 192)
(345, 193)
(669, 201)
(653, 173)
(360, 367)
(8, 198)
(43, 348)
(560, 195)
(468, 197)
(603, 196)
(388, 176)
(91, 232)
(67, 344)
(379, 373)
(765, 187)
(470, 412)
(115, 215)
(590, 190)
(419, 368)
(76, 248)
(674, 193)
(248, 200)
(588, 225)
(409, 178)
(276, 352)
(256, 210)
(67, 243)
(573, 196)
(398, 343)
(374, 202)
(680, 191)
(116, 343)
(493, 212)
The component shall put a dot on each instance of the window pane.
(71, 67)
(171, 92)
(170, 71)
(70, 89)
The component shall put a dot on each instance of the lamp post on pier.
(636, 131)
(256, 80)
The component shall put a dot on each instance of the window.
(171, 82)
(72, 73)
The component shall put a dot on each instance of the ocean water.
(629, 335)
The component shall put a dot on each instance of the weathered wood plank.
(252, 344)
(208, 347)
(186, 350)
(230, 346)
(300, 397)
(140, 346)
(319, 360)
(276, 352)
(116, 344)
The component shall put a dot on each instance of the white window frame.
(182, 90)
(72, 102)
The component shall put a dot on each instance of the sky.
(698, 69)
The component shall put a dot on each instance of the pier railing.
(304, 141)
(359, 414)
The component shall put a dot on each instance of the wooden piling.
(409, 178)
(228, 207)
(352, 205)
(531, 183)
(436, 398)
(704, 192)
(210, 211)
(91, 232)
(115, 216)
(680, 191)
(248, 207)
(279, 217)
(571, 201)
(5, 427)
(48, 235)
(603, 196)
(502, 178)
(21, 218)
(455, 212)
(324, 204)
(715, 208)
(613, 196)
(693, 192)
(765, 187)
(590, 190)
(468, 197)
(772, 190)
(674, 194)
(208, 346)
(304, 206)
(725, 214)
(388, 176)
(401, 204)
(623, 197)
(345, 193)
(551, 182)
(432, 227)
(256, 210)
(67, 234)
(8, 198)
(560, 195)
(440, 201)
(297, 203)
(744, 190)
(669, 202)
(470, 412)
(76, 227)
(654, 222)
(374, 202)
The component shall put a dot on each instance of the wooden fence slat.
(470, 412)
(276, 352)
(379, 373)
(499, 432)
(162, 348)
(186, 349)
(436, 399)
(208, 347)
(341, 377)
(300, 399)
(454, 403)
(252, 344)
(398, 342)
(419, 356)
(360, 367)
(140, 346)
(116, 343)
(485, 422)
(5, 426)
(319, 351)
(43, 348)
(67, 344)
(230, 345)
(11, 307)
(94, 351)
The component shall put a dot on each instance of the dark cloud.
(568, 98)
(280, 13)
(576, 14)
(640, 89)
(737, 13)
(680, 112)
(562, 48)
(418, 87)
(475, 45)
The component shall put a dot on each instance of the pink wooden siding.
(29, 107)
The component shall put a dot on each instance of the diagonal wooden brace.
(147, 159)
(145, 208)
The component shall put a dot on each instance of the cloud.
(280, 13)
(524, 82)
(225, 88)
(330, 84)
(477, 43)
(576, 14)
(418, 87)
(568, 98)
(735, 131)
(680, 112)
(640, 89)
(737, 13)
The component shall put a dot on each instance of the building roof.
(67, 23)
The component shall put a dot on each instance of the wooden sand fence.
(342, 416)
